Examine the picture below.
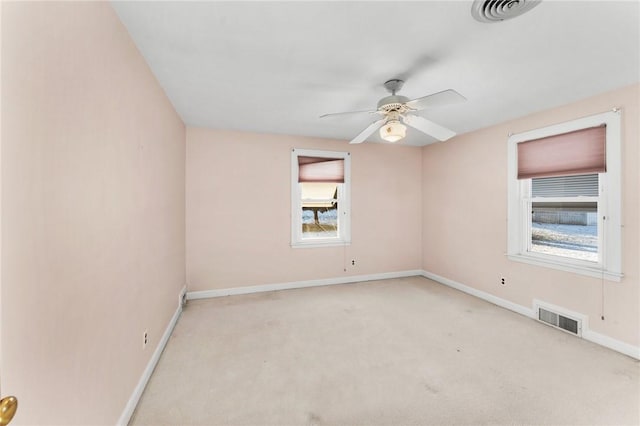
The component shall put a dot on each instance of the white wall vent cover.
(499, 10)
(559, 318)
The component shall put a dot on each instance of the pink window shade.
(318, 169)
(574, 153)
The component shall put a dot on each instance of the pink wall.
(465, 212)
(93, 213)
(239, 208)
(93, 164)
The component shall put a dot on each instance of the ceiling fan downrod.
(394, 85)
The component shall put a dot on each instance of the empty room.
(320, 212)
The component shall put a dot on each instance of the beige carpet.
(403, 351)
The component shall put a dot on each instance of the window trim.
(609, 205)
(344, 204)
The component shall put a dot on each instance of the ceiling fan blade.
(347, 113)
(368, 131)
(446, 97)
(428, 127)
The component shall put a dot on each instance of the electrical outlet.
(502, 281)
(353, 262)
(145, 339)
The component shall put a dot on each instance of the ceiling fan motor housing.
(393, 103)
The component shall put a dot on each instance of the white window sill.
(591, 271)
(320, 243)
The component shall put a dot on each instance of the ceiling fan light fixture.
(393, 131)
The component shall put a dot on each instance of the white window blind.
(565, 186)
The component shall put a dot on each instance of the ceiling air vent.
(499, 10)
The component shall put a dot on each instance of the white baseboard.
(151, 365)
(481, 294)
(587, 334)
(608, 342)
(205, 294)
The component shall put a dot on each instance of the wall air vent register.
(571, 323)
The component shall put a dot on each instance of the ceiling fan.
(396, 109)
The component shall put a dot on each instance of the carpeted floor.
(404, 351)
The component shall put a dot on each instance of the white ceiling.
(275, 67)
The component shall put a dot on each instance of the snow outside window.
(568, 222)
(320, 188)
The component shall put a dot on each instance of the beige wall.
(465, 213)
(239, 208)
(92, 212)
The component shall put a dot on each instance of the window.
(320, 198)
(564, 217)
(564, 196)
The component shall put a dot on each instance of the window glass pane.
(319, 223)
(318, 190)
(568, 229)
(319, 210)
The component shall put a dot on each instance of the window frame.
(519, 201)
(344, 202)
